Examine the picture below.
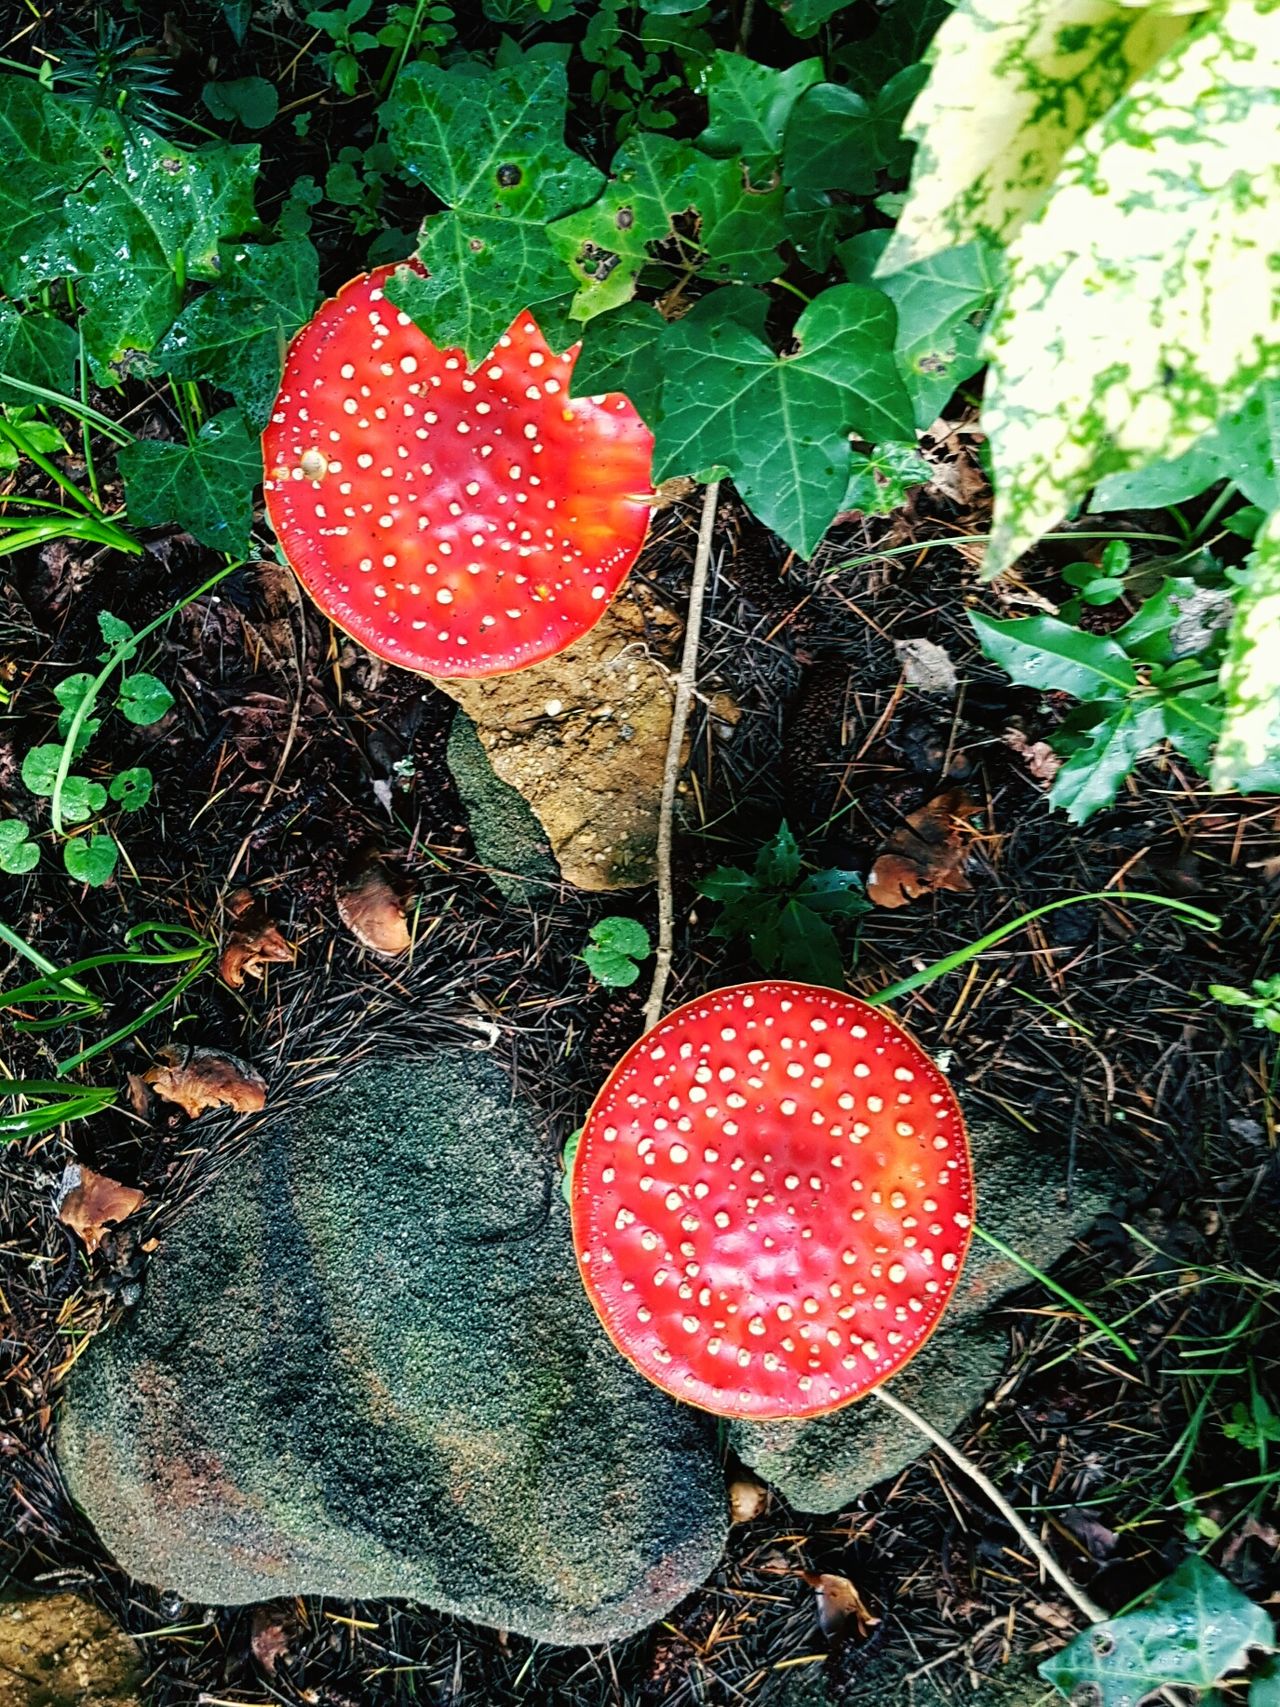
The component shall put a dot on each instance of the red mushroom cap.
(462, 524)
(772, 1200)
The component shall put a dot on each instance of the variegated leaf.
(1013, 84)
(1251, 667)
(1144, 299)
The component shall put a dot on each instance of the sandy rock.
(583, 737)
(365, 1366)
(826, 1463)
(64, 1652)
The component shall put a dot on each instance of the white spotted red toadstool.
(460, 524)
(772, 1200)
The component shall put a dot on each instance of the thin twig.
(1043, 1557)
(686, 683)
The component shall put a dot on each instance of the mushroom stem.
(1090, 1609)
(686, 682)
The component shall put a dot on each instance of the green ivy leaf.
(749, 106)
(132, 789)
(235, 335)
(781, 424)
(942, 305)
(48, 147)
(614, 971)
(206, 488)
(250, 101)
(1251, 665)
(898, 41)
(135, 230)
(1194, 1629)
(830, 142)
(91, 859)
(492, 148)
(1092, 776)
(666, 192)
(1044, 653)
(17, 853)
(143, 699)
(620, 353)
(1141, 300)
(38, 349)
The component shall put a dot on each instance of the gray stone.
(63, 1652)
(826, 1463)
(510, 842)
(365, 1366)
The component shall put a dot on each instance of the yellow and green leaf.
(1144, 299)
(1251, 667)
(1013, 84)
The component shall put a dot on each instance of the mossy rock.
(365, 1366)
(510, 842)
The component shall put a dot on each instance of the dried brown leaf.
(927, 851)
(199, 1079)
(926, 666)
(272, 1634)
(96, 1203)
(252, 941)
(839, 1605)
(747, 1501)
(1038, 756)
(372, 910)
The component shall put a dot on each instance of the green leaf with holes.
(781, 424)
(35, 349)
(1251, 665)
(91, 859)
(1142, 300)
(491, 147)
(235, 334)
(131, 789)
(667, 201)
(1013, 84)
(206, 487)
(1044, 653)
(750, 106)
(1195, 1629)
(942, 304)
(137, 229)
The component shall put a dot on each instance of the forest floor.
(288, 751)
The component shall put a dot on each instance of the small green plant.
(1263, 997)
(1157, 676)
(785, 913)
(615, 949)
(142, 699)
(49, 1104)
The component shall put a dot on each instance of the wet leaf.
(144, 699)
(46, 145)
(926, 852)
(17, 853)
(252, 943)
(38, 349)
(1044, 653)
(1092, 776)
(91, 859)
(205, 488)
(1193, 1630)
(95, 1203)
(749, 106)
(235, 335)
(200, 1079)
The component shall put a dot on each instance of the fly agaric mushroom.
(460, 524)
(772, 1200)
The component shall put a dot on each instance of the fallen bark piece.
(96, 1202)
(926, 852)
(371, 909)
(252, 942)
(200, 1079)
